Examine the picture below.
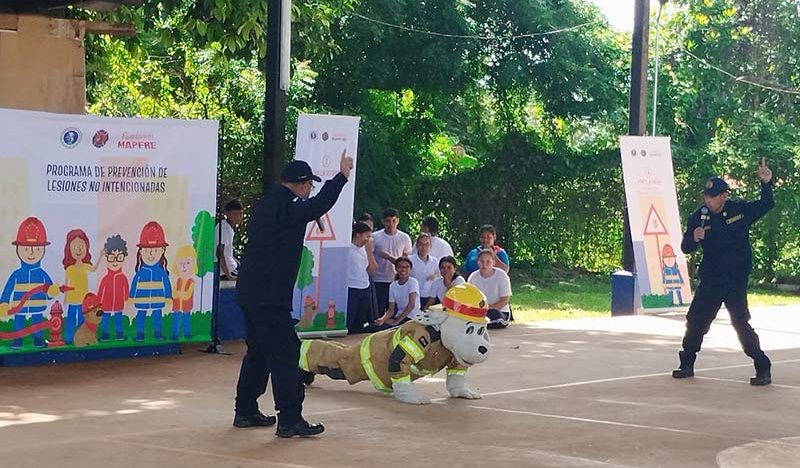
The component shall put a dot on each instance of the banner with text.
(656, 231)
(107, 233)
(320, 295)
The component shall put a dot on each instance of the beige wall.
(42, 64)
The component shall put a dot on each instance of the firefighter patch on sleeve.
(423, 341)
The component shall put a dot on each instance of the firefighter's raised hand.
(764, 173)
(345, 164)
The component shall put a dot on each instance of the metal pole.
(274, 101)
(637, 107)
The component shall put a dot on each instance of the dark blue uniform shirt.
(271, 257)
(727, 256)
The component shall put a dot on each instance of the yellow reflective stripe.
(412, 349)
(367, 365)
(148, 300)
(401, 379)
(456, 371)
(149, 285)
(395, 338)
(419, 371)
(30, 303)
(305, 344)
(25, 287)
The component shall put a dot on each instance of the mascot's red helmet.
(466, 302)
(31, 233)
(667, 251)
(152, 235)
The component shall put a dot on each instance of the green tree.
(203, 241)
(304, 272)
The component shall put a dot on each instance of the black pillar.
(274, 102)
(637, 106)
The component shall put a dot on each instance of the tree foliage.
(473, 112)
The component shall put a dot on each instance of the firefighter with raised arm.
(721, 227)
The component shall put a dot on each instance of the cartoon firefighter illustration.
(671, 276)
(150, 288)
(29, 287)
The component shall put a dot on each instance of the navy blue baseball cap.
(298, 171)
(714, 186)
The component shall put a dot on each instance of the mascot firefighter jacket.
(399, 354)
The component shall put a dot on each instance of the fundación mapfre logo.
(70, 137)
(137, 141)
(313, 135)
(324, 136)
(100, 138)
(641, 153)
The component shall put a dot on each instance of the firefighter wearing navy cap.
(264, 291)
(722, 228)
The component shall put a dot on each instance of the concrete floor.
(556, 394)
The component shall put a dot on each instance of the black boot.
(255, 420)
(763, 374)
(686, 368)
(301, 429)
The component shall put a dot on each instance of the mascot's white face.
(468, 341)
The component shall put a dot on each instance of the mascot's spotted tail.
(454, 338)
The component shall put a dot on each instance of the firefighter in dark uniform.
(264, 291)
(722, 228)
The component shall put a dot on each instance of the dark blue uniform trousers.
(706, 303)
(273, 348)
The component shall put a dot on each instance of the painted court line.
(123, 435)
(615, 423)
(256, 461)
(497, 335)
(792, 387)
(617, 379)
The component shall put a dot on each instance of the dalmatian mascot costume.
(453, 338)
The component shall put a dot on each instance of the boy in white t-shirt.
(426, 267)
(388, 244)
(440, 248)
(403, 296)
(496, 286)
(223, 239)
(360, 264)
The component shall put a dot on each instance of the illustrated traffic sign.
(654, 226)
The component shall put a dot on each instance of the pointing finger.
(763, 161)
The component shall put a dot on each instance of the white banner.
(106, 237)
(656, 228)
(320, 299)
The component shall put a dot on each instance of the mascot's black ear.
(430, 317)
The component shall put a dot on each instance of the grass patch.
(565, 295)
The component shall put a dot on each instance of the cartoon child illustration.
(113, 289)
(77, 265)
(671, 275)
(185, 267)
(28, 288)
(150, 287)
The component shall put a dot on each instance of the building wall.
(42, 64)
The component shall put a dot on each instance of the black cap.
(714, 186)
(298, 171)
